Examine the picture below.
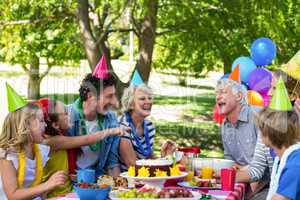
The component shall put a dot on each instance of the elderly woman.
(138, 144)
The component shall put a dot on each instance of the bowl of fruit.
(88, 191)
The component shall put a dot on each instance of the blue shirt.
(289, 182)
(109, 152)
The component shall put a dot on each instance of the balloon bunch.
(254, 76)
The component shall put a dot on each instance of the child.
(56, 117)
(279, 125)
(23, 157)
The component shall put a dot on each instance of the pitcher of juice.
(207, 172)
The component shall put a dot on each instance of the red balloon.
(217, 116)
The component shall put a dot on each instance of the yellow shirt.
(58, 162)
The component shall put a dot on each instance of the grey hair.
(235, 88)
(127, 99)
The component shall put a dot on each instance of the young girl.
(57, 120)
(280, 130)
(57, 123)
(23, 157)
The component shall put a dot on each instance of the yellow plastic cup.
(207, 172)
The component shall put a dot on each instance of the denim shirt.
(109, 152)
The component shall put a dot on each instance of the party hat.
(136, 79)
(280, 100)
(292, 68)
(14, 100)
(101, 69)
(235, 74)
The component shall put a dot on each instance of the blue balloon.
(263, 51)
(247, 65)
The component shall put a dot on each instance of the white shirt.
(89, 158)
(29, 168)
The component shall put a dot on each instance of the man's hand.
(122, 130)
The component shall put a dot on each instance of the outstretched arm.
(68, 142)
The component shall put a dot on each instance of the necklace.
(38, 167)
(148, 150)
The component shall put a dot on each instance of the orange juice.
(207, 173)
(189, 176)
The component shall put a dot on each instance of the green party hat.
(280, 100)
(14, 100)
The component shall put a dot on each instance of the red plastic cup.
(227, 179)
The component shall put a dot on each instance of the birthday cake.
(153, 167)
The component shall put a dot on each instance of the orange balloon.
(254, 98)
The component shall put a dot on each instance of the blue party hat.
(136, 79)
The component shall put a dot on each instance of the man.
(91, 113)
(238, 131)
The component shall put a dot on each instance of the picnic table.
(237, 194)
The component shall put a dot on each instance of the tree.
(198, 35)
(38, 29)
(144, 17)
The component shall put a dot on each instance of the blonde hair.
(129, 93)
(15, 129)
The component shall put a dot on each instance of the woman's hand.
(168, 148)
(57, 179)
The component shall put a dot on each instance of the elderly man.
(239, 132)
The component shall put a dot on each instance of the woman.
(138, 144)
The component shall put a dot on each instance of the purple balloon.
(260, 80)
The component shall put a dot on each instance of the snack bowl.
(97, 193)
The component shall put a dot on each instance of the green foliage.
(198, 35)
(39, 29)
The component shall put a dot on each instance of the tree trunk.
(91, 48)
(146, 39)
(34, 79)
(226, 65)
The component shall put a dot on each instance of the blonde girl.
(23, 157)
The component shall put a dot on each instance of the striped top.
(129, 136)
(262, 162)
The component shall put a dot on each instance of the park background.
(180, 47)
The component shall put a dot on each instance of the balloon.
(263, 51)
(260, 80)
(266, 99)
(246, 67)
(217, 116)
(254, 98)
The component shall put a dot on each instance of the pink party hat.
(101, 69)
